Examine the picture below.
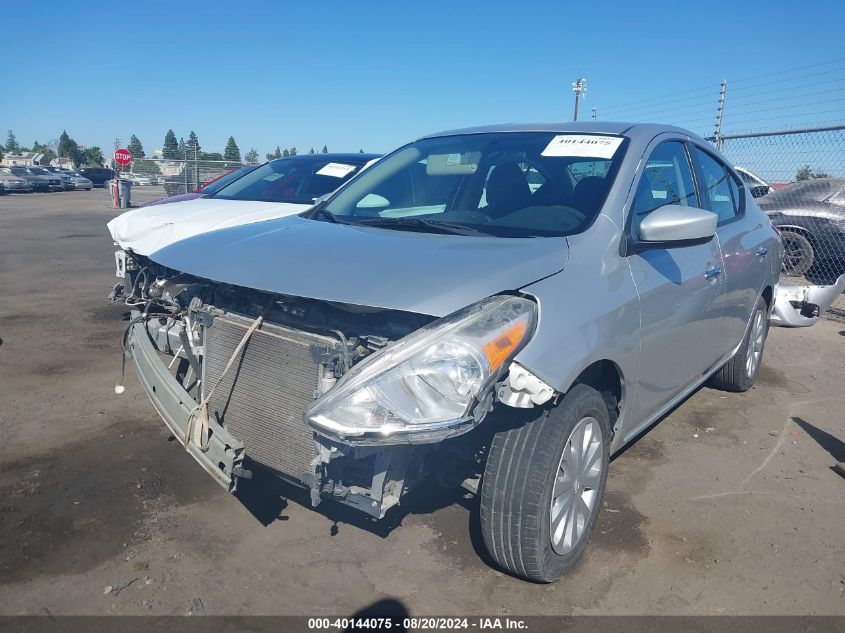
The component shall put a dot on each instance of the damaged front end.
(357, 404)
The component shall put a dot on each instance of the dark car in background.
(67, 181)
(97, 175)
(38, 182)
(54, 181)
(810, 215)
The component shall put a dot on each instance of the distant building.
(63, 163)
(25, 158)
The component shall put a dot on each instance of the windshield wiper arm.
(411, 222)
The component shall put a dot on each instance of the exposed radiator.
(262, 399)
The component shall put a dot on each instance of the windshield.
(39, 171)
(513, 184)
(298, 180)
(217, 184)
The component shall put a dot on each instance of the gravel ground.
(727, 506)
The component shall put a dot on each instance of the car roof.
(633, 130)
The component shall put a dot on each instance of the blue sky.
(374, 74)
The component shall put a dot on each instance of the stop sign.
(122, 156)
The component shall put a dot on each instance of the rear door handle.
(712, 273)
(762, 251)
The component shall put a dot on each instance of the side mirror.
(758, 191)
(676, 224)
(373, 201)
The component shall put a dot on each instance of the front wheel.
(543, 486)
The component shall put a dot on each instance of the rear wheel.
(798, 254)
(740, 372)
(543, 486)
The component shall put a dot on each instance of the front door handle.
(712, 273)
(762, 251)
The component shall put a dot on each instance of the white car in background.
(136, 179)
(756, 185)
(282, 187)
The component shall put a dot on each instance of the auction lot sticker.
(337, 170)
(583, 145)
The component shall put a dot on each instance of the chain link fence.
(183, 173)
(797, 176)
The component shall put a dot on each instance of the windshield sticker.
(336, 170)
(583, 145)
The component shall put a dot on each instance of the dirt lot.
(728, 506)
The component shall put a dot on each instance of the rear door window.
(719, 190)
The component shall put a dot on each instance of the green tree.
(135, 148)
(11, 145)
(170, 149)
(193, 144)
(285, 152)
(293, 151)
(68, 148)
(276, 154)
(182, 148)
(325, 150)
(361, 151)
(48, 152)
(232, 151)
(211, 156)
(806, 173)
(93, 156)
(251, 156)
(311, 151)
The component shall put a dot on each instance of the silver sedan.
(501, 308)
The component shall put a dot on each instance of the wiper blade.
(411, 222)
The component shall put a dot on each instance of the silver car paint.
(663, 323)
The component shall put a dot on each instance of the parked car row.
(25, 179)
(500, 308)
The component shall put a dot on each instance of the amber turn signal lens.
(501, 347)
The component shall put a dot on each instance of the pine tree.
(181, 148)
(361, 151)
(68, 148)
(232, 151)
(285, 153)
(170, 149)
(325, 150)
(11, 145)
(311, 151)
(193, 144)
(251, 157)
(293, 151)
(135, 148)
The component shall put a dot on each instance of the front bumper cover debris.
(801, 306)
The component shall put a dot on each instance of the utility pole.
(579, 87)
(717, 133)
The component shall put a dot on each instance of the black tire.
(735, 376)
(798, 254)
(516, 490)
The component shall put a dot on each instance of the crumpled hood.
(426, 273)
(147, 229)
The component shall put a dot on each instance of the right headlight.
(422, 388)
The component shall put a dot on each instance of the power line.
(790, 70)
(620, 105)
(774, 83)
